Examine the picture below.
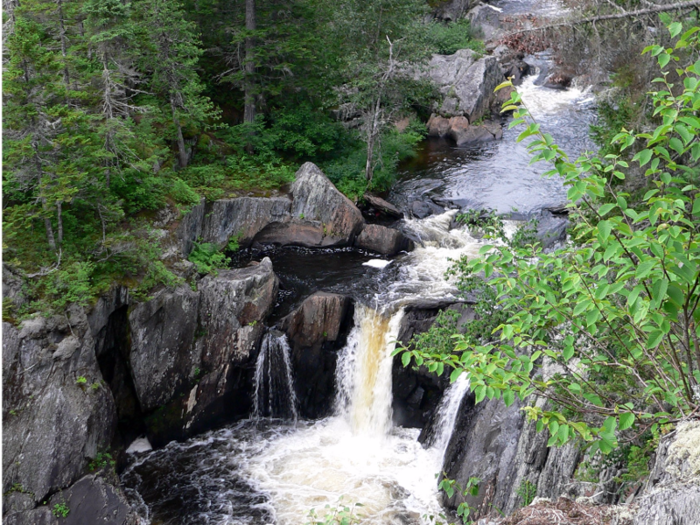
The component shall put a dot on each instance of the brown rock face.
(316, 331)
(438, 126)
(381, 239)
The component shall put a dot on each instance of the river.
(263, 471)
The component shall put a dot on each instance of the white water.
(447, 414)
(274, 394)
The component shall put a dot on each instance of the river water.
(264, 471)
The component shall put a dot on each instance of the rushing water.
(274, 394)
(265, 471)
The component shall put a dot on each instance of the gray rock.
(316, 331)
(243, 217)
(92, 500)
(381, 239)
(452, 10)
(672, 495)
(13, 296)
(465, 83)
(232, 307)
(39, 516)
(383, 206)
(163, 353)
(494, 443)
(315, 198)
(190, 228)
(296, 233)
(486, 19)
(53, 424)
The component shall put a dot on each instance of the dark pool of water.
(303, 271)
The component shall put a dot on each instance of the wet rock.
(54, 419)
(315, 198)
(381, 239)
(39, 516)
(439, 126)
(465, 82)
(517, 71)
(233, 305)
(93, 500)
(551, 228)
(417, 393)
(190, 228)
(424, 208)
(383, 206)
(215, 332)
(316, 331)
(486, 132)
(296, 233)
(494, 443)
(673, 490)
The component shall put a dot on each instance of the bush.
(447, 39)
(208, 258)
(606, 328)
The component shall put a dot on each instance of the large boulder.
(191, 350)
(381, 239)
(243, 217)
(463, 133)
(451, 10)
(233, 305)
(57, 411)
(465, 82)
(486, 19)
(163, 355)
(321, 215)
(316, 331)
(382, 206)
(672, 495)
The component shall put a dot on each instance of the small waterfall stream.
(274, 394)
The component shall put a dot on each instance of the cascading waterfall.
(364, 371)
(447, 414)
(274, 394)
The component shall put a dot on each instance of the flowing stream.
(274, 468)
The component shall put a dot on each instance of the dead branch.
(616, 16)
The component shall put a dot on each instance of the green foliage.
(81, 380)
(527, 492)
(102, 460)
(450, 487)
(208, 258)
(339, 515)
(617, 307)
(447, 39)
(60, 510)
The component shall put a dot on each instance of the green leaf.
(643, 156)
(508, 397)
(654, 339)
(406, 358)
(626, 420)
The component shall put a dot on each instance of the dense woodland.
(113, 109)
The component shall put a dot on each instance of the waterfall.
(274, 395)
(447, 414)
(364, 371)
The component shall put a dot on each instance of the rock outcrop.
(672, 495)
(383, 240)
(466, 83)
(321, 216)
(57, 411)
(190, 350)
(316, 331)
(382, 206)
(495, 443)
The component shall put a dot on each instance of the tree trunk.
(371, 139)
(64, 48)
(182, 152)
(59, 217)
(249, 96)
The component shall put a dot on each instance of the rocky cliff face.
(672, 495)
